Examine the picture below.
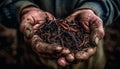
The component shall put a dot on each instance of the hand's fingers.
(50, 16)
(41, 19)
(53, 49)
(47, 48)
(85, 54)
(37, 16)
(70, 18)
(51, 53)
(91, 51)
(43, 47)
(70, 57)
(26, 19)
(82, 55)
(48, 51)
(35, 27)
(85, 25)
(27, 29)
(62, 62)
(97, 34)
(57, 50)
(97, 30)
(65, 51)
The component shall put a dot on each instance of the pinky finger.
(62, 62)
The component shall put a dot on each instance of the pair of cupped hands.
(32, 18)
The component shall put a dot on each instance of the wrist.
(82, 11)
(28, 9)
(85, 10)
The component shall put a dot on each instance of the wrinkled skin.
(91, 23)
(32, 18)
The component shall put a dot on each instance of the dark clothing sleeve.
(21, 4)
(107, 10)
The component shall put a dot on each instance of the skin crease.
(36, 20)
(86, 18)
(90, 23)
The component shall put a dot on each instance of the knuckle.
(91, 51)
(65, 51)
(69, 57)
(82, 56)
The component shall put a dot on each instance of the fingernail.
(58, 48)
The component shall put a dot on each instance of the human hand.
(31, 19)
(92, 24)
(35, 16)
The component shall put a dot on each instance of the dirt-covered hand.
(92, 24)
(31, 19)
(47, 50)
(35, 15)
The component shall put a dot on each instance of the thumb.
(97, 30)
(50, 16)
(97, 34)
(71, 18)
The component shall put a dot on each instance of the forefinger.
(85, 54)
